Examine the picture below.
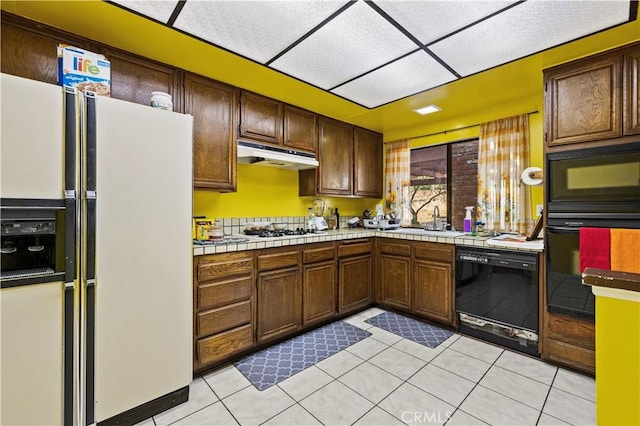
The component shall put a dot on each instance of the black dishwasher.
(497, 296)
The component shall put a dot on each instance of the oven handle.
(8, 250)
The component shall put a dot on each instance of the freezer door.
(32, 135)
(31, 318)
(143, 255)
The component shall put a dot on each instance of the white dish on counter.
(418, 231)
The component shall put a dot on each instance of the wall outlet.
(538, 209)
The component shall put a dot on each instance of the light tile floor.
(387, 380)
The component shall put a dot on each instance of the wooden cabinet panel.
(31, 53)
(279, 303)
(367, 166)
(220, 346)
(300, 129)
(211, 295)
(319, 292)
(577, 357)
(223, 318)
(223, 265)
(632, 92)
(354, 247)
(571, 330)
(260, 118)
(433, 290)
(134, 78)
(390, 246)
(434, 251)
(318, 253)
(354, 283)
(214, 107)
(395, 281)
(272, 259)
(335, 154)
(583, 101)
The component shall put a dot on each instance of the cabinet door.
(432, 290)
(395, 276)
(583, 101)
(133, 79)
(354, 283)
(214, 109)
(367, 166)
(300, 129)
(260, 118)
(319, 292)
(279, 303)
(30, 53)
(632, 93)
(335, 154)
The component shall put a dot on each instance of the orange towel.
(625, 250)
(595, 248)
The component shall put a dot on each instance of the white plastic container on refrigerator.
(124, 330)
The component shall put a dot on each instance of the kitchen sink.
(418, 231)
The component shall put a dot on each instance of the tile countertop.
(256, 243)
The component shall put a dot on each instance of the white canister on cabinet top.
(161, 100)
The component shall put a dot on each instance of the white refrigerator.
(118, 320)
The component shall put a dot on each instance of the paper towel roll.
(527, 176)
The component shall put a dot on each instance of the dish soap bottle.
(467, 219)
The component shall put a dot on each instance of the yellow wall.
(617, 362)
(268, 192)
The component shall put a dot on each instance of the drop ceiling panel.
(255, 29)
(158, 10)
(431, 20)
(356, 41)
(407, 76)
(525, 29)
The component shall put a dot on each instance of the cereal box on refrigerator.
(84, 70)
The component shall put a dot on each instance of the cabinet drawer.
(434, 251)
(224, 318)
(318, 254)
(399, 249)
(354, 247)
(221, 293)
(220, 346)
(224, 265)
(571, 330)
(267, 260)
(573, 356)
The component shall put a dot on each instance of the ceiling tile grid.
(376, 52)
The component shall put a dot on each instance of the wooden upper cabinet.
(300, 129)
(367, 166)
(134, 78)
(632, 92)
(583, 100)
(260, 118)
(30, 53)
(215, 117)
(335, 154)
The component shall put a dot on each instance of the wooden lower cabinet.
(569, 341)
(220, 346)
(354, 283)
(432, 283)
(395, 281)
(319, 292)
(279, 303)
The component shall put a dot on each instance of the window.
(444, 180)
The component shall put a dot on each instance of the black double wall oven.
(594, 187)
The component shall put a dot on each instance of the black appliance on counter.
(593, 187)
(497, 296)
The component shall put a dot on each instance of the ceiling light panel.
(159, 10)
(255, 29)
(526, 29)
(431, 20)
(356, 41)
(404, 77)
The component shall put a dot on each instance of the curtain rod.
(459, 128)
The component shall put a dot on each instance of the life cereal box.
(84, 70)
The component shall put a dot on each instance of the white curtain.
(397, 179)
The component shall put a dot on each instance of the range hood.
(271, 156)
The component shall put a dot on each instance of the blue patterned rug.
(272, 365)
(419, 332)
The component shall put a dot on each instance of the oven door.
(604, 179)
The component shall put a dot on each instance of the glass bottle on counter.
(331, 220)
(311, 220)
(337, 218)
